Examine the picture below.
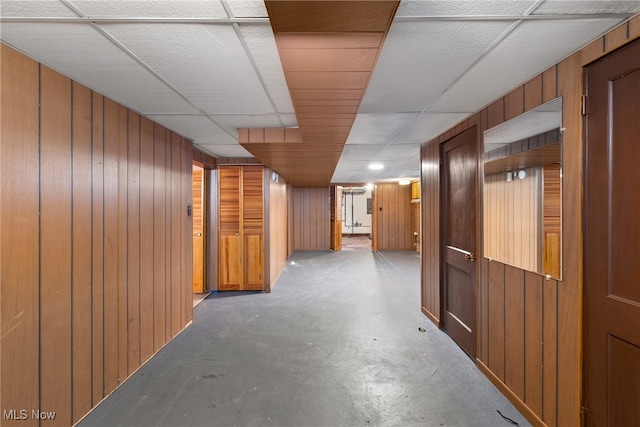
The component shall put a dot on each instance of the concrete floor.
(337, 343)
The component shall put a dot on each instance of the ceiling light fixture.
(404, 181)
(376, 166)
(369, 186)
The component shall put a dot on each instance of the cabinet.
(241, 228)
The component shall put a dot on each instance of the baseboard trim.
(513, 398)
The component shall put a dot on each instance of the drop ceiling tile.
(151, 8)
(429, 125)
(361, 152)
(248, 9)
(225, 150)
(35, 8)
(551, 7)
(231, 122)
(199, 129)
(378, 128)
(83, 54)
(463, 8)
(509, 65)
(262, 47)
(419, 60)
(206, 63)
(395, 152)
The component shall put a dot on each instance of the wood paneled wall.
(96, 242)
(277, 229)
(530, 329)
(392, 204)
(311, 213)
(512, 218)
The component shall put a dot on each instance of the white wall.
(361, 222)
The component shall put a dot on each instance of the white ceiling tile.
(362, 152)
(223, 151)
(550, 7)
(83, 54)
(378, 128)
(264, 51)
(151, 8)
(510, 64)
(231, 122)
(199, 129)
(248, 9)
(429, 125)
(397, 152)
(35, 8)
(463, 7)
(206, 63)
(421, 59)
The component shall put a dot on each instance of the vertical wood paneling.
(55, 244)
(533, 342)
(514, 103)
(496, 319)
(393, 226)
(159, 237)
(78, 277)
(311, 218)
(550, 84)
(146, 239)
(81, 245)
(550, 352)
(121, 251)
(133, 243)
(533, 93)
(19, 214)
(111, 355)
(186, 239)
(176, 234)
(277, 229)
(97, 250)
(514, 322)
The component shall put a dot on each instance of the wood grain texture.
(514, 322)
(496, 318)
(81, 251)
(393, 208)
(97, 250)
(55, 244)
(533, 345)
(146, 239)
(186, 233)
(159, 237)
(277, 229)
(133, 242)
(122, 239)
(430, 223)
(570, 293)
(176, 209)
(19, 216)
(311, 218)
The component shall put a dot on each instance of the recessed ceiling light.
(369, 186)
(376, 166)
(404, 181)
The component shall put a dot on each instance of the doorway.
(458, 224)
(356, 218)
(199, 235)
(612, 240)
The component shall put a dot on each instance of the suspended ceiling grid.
(205, 68)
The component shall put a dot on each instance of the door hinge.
(584, 110)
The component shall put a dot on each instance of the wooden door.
(458, 203)
(252, 228)
(198, 230)
(230, 247)
(612, 240)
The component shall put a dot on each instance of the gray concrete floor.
(337, 343)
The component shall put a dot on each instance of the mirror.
(523, 191)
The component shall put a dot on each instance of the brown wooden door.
(198, 230)
(252, 228)
(230, 249)
(612, 241)
(459, 239)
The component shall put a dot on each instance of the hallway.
(341, 341)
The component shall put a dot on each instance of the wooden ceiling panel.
(330, 40)
(328, 50)
(328, 59)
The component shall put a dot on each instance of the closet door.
(230, 250)
(253, 227)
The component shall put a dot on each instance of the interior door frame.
(478, 230)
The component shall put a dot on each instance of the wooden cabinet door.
(241, 255)
(253, 227)
(230, 249)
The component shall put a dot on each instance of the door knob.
(237, 233)
(470, 257)
(198, 234)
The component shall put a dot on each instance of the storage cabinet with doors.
(241, 228)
